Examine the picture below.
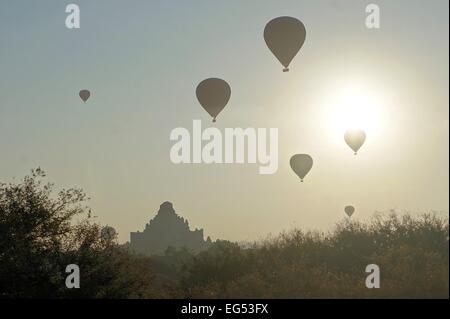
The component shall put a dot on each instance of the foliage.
(38, 239)
(412, 253)
(40, 234)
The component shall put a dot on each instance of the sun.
(351, 107)
(355, 109)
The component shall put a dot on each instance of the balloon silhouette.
(84, 95)
(213, 95)
(355, 139)
(285, 36)
(349, 210)
(108, 233)
(301, 164)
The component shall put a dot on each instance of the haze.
(142, 61)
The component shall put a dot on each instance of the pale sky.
(142, 61)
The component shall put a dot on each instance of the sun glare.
(353, 107)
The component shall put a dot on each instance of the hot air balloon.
(355, 139)
(108, 233)
(84, 95)
(301, 164)
(349, 210)
(285, 36)
(213, 95)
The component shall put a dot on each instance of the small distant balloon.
(349, 210)
(213, 95)
(108, 233)
(355, 139)
(84, 95)
(285, 36)
(301, 164)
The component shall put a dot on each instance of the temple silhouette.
(167, 229)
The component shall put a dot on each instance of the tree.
(39, 238)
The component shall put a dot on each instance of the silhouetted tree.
(412, 253)
(39, 238)
(42, 232)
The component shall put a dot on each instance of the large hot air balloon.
(355, 139)
(349, 210)
(213, 95)
(285, 36)
(301, 164)
(84, 95)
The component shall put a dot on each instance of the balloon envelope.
(355, 139)
(349, 210)
(285, 36)
(84, 95)
(213, 95)
(108, 233)
(301, 164)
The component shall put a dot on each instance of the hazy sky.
(142, 60)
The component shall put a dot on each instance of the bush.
(38, 239)
(412, 253)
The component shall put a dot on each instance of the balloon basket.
(286, 70)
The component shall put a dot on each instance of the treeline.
(41, 233)
(412, 254)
